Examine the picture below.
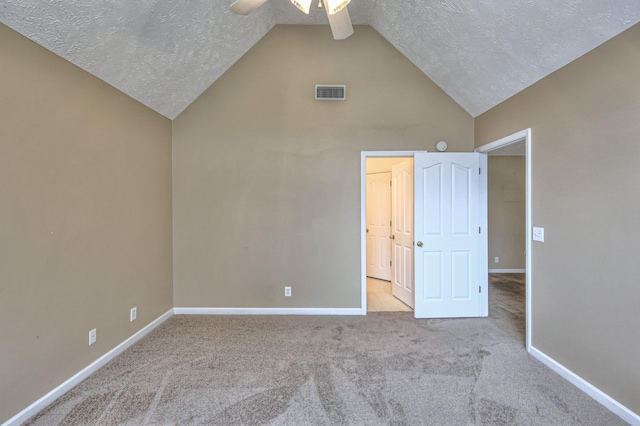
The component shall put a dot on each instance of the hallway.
(507, 305)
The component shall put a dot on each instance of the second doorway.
(389, 241)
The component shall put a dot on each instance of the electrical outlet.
(133, 314)
(496, 260)
(287, 291)
(538, 234)
(92, 336)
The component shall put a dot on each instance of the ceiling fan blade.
(340, 24)
(245, 7)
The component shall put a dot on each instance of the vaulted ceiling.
(165, 53)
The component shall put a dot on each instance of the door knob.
(419, 243)
(393, 237)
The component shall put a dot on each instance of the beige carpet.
(381, 369)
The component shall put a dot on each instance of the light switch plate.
(538, 234)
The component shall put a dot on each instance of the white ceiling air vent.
(331, 92)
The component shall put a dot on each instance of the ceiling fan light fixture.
(335, 6)
(303, 5)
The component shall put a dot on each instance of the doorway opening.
(446, 271)
(387, 225)
(389, 234)
(506, 155)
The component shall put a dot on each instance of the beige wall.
(586, 194)
(266, 180)
(506, 205)
(85, 202)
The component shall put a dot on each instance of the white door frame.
(363, 216)
(524, 135)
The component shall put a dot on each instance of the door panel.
(402, 219)
(378, 217)
(432, 211)
(460, 198)
(448, 211)
(460, 275)
(432, 280)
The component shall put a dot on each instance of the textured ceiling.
(165, 53)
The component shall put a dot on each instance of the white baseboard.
(56, 393)
(507, 271)
(267, 311)
(611, 404)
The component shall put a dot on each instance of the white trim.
(363, 215)
(56, 393)
(507, 140)
(611, 404)
(507, 271)
(268, 311)
(524, 135)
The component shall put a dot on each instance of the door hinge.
(479, 289)
(480, 170)
(479, 230)
(389, 223)
(390, 183)
(391, 263)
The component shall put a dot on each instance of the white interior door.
(402, 231)
(378, 216)
(448, 252)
